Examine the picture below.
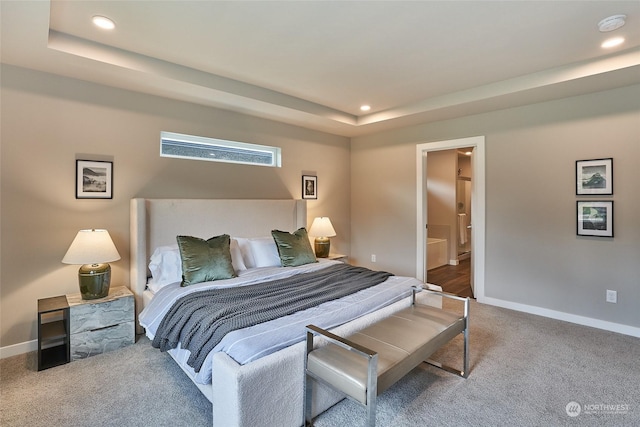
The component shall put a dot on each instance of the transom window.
(218, 150)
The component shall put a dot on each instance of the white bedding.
(251, 343)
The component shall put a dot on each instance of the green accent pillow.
(294, 248)
(205, 260)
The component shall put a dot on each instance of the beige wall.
(48, 122)
(384, 198)
(533, 256)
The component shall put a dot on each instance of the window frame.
(275, 152)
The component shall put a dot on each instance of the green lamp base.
(94, 280)
(322, 246)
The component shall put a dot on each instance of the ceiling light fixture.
(103, 22)
(616, 41)
(365, 108)
(611, 23)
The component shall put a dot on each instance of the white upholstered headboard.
(157, 222)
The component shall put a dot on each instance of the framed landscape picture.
(594, 176)
(595, 218)
(94, 179)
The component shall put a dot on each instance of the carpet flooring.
(526, 370)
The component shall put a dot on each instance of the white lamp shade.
(321, 227)
(91, 247)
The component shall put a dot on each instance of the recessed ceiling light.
(365, 108)
(611, 23)
(103, 22)
(616, 41)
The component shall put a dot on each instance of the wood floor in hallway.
(455, 279)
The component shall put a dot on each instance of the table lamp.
(94, 249)
(322, 229)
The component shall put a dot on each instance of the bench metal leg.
(308, 417)
(371, 413)
(308, 390)
(465, 366)
(465, 351)
(465, 357)
(372, 390)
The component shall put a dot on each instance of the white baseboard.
(16, 349)
(454, 262)
(567, 317)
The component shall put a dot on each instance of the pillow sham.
(165, 264)
(205, 260)
(294, 248)
(264, 252)
(236, 256)
(245, 251)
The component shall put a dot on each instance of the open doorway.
(476, 201)
(449, 218)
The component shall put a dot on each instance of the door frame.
(477, 206)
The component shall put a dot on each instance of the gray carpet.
(525, 370)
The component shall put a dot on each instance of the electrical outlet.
(373, 257)
(612, 296)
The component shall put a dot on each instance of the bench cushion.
(402, 342)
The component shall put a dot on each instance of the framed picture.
(94, 179)
(309, 187)
(594, 176)
(595, 218)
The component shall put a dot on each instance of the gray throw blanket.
(200, 320)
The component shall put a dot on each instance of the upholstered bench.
(368, 362)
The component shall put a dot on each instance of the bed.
(246, 393)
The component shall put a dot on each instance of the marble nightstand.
(101, 325)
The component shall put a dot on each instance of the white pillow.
(236, 256)
(166, 264)
(245, 251)
(264, 252)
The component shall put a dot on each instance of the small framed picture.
(94, 179)
(594, 176)
(309, 187)
(595, 218)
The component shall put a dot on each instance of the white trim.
(20, 348)
(477, 206)
(567, 317)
